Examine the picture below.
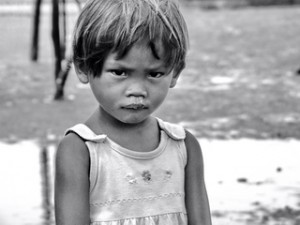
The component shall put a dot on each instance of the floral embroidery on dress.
(131, 179)
(168, 174)
(146, 175)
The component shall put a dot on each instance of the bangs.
(157, 41)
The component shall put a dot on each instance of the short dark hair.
(106, 26)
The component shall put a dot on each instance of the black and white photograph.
(150, 112)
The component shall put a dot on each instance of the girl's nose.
(136, 90)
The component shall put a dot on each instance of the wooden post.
(63, 72)
(63, 28)
(60, 48)
(35, 34)
(56, 37)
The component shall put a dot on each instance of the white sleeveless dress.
(136, 188)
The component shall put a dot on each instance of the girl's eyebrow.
(124, 66)
(117, 65)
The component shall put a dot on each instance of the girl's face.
(130, 89)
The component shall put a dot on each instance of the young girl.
(124, 166)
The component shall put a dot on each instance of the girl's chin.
(133, 116)
(133, 119)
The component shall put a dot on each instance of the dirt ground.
(240, 81)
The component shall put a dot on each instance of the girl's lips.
(135, 106)
(135, 103)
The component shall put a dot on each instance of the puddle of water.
(244, 175)
(268, 174)
(26, 191)
(222, 80)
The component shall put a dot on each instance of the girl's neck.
(143, 136)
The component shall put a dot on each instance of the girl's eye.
(156, 74)
(118, 73)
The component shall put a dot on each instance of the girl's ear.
(81, 76)
(174, 79)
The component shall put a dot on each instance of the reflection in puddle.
(26, 190)
(46, 187)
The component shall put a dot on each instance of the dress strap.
(174, 131)
(86, 133)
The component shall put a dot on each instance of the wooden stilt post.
(35, 33)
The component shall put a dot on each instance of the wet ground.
(253, 182)
(248, 182)
(26, 191)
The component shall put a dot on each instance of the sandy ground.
(248, 182)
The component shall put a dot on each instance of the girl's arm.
(196, 200)
(72, 182)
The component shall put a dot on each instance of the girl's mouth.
(135, 106)
(135, 103)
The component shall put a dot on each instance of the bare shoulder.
(72, 153)
(194, 154)
(191, 140)
(192, 145)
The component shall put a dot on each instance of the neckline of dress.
(140, 154)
